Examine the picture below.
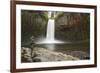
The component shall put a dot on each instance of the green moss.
(44, 16)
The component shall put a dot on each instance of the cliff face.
(72, 26)
(68, 26)
(33, 23)
(38, 54)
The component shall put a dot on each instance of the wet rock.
(36, 59)
(38, 54)
(45, 55)
(80, 54)
(26, 54)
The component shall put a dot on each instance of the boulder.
(26, 55)
(80, 54)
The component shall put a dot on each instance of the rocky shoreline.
(38, 54)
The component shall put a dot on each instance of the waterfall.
(50, 30)
(50, 34)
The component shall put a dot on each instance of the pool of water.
(81, 50)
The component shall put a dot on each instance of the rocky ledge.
(38, 54)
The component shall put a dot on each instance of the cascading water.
(50, 35)
(50, 28)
